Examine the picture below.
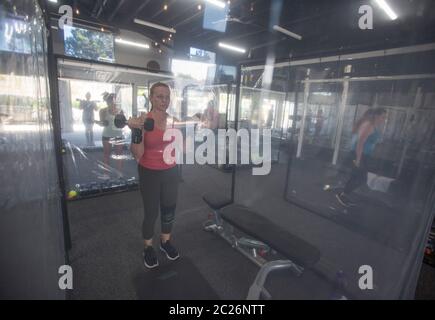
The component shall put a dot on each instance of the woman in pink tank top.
(158, 180)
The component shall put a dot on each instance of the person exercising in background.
(319, 123)
(88, 118)
(158, 180)
(366, 134)
(111, 134)
(210, 118)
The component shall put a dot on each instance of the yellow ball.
(72, 194)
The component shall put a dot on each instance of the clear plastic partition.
(96, 152)
(28, 166)
(209, 108)
(265, 107)
(370, 210)
(31, 235)
(97, 157)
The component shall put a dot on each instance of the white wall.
(139, 57)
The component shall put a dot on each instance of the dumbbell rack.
(95, 189)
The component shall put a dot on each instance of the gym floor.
(107, 247)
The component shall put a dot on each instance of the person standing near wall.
(88, 118)
(210, 118)
(111, 134)
(319, 123)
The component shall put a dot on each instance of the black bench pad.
(257, 226)
(215, 201)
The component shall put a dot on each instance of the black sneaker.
(169, 250)
(344, 200)
(149, 258)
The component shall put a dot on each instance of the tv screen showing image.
(200, 55)
(88, 44)
(14, 36)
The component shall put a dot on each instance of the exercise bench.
(266, 234)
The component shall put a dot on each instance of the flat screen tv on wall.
(88, 44)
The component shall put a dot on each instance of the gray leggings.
(158, 188)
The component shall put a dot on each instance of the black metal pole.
(57, 134)
(236, 125)
(290, 141)
(283, 112)
(52, 82)
(229, 87)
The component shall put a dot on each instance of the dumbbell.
(136, 134)
(121, 122)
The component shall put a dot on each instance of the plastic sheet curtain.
(96, 153)
(31, 235)
(98, 160)
(315, 110)
(205, 105)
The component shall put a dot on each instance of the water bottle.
(340, 285)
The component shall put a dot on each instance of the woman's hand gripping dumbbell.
(136, 124)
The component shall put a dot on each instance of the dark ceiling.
(327, 26)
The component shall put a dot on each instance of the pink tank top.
(154, 146)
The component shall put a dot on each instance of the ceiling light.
(384, 6)
(153, 25)
(77, 11)
(165, 7)
(230, 47)
(102, 29)
(216, 3)
(285, 31)
(164, 40)
(199, 7)
(53, 1)
(132, 43)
